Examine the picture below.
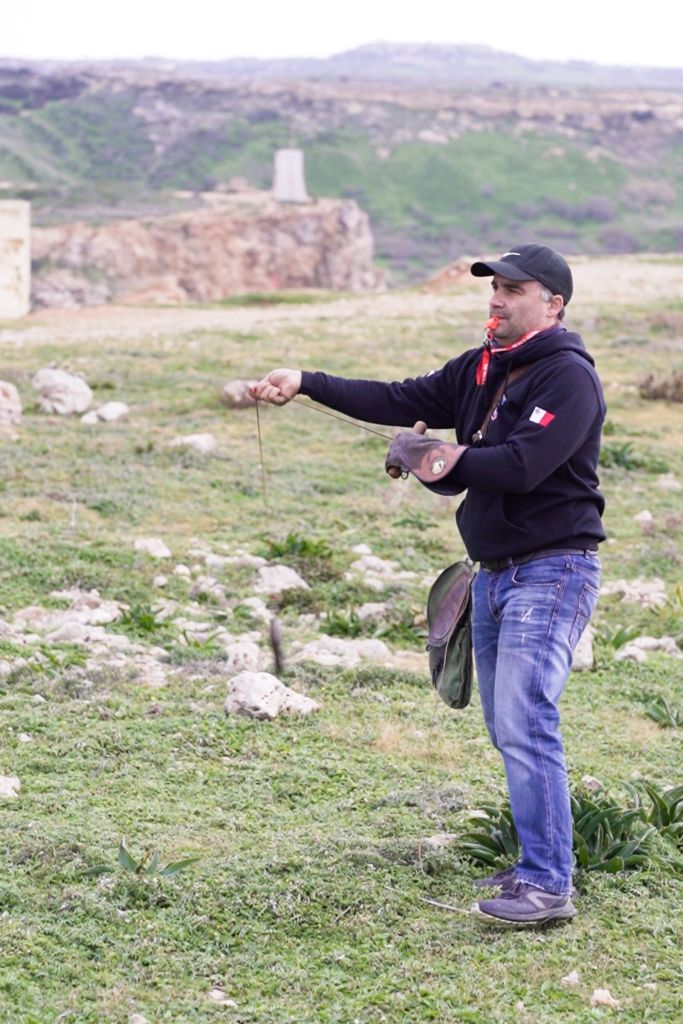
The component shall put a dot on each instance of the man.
(531, 517)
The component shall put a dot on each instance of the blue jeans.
(526, 621)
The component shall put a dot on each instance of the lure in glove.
(429, 460)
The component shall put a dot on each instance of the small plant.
(141, 621)
(669, 390)
(623, 455)
(661, 712)
(301, 547)
(617, 636)
(343, 623)
(149, 864)
(607, 837)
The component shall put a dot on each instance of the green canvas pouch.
(449, 618)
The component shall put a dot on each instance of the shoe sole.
(542, 917)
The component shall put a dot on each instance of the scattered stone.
(668, 482)
(6, 669)
(87, 608)
(207, 586)
(273, 579)
(202, 444)
(572, 979)
(257, 608)
(639, 648)
(24, 737)
(10, 406)
(152, 546)
(439, 841)
(9, 787)
(137, 1018)
(647, 593)
(90, 418)
(182, 570)
(38, 698)
(262, 695)
(160, 581)
(236, 395)
(583, 660)
(217, 995)
(645, 520)
(332, 650)
(110, 412)
(61, 392)
(216, 563)
(373, 610)
(377, 572)
(603, 997)
(591, 783)
(245, 560)
(242, 656)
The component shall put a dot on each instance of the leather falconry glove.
(427, 459)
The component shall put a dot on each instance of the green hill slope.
(440, 171)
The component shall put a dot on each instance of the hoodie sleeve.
(558, 414)
(400, 403)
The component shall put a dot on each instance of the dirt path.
(623, 280)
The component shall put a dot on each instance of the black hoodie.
(532, 482)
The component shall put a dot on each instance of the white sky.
(595, 30)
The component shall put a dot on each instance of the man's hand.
(278, 388)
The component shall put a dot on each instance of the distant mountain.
(500, 150)
(433, 63)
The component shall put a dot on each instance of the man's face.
(520, 307)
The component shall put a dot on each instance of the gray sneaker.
(520, 905)
(501, 878)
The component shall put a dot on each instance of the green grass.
(307, 901)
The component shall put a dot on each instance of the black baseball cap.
(531, 263)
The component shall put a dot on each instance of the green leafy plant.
(149, 864)
(661, 712)
(624, 455)
(298, 545)
(141, 620)
(607, 837)
(342, 623)
(617, 636)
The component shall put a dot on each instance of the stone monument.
(15, 258)
(289, 185)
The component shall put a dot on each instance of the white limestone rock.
(9, 787)
(603, 997)
(346, 653)
(640, 647)
(152, 546)
(90, 418)
(10, 406)
(439, 841)
(373, 610)
(583, 659)
(645, 520)
(242, 656)
(243, 559)
(258, 609)
(273, 579)
(647, 593)
(261, 695)
(668, 482)
(61, 392)
(202, 444)
(378, 573)
(182, 570)
(111, 412)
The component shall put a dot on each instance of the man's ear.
(555, 306)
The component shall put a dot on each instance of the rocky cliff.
(243, 243)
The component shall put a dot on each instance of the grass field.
(308, 902)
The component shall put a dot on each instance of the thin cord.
(344, 419)
(262, 464)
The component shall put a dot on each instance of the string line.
(262, 464)
(344, 419)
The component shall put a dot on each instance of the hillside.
(440, 165)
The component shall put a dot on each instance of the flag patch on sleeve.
(542, 417)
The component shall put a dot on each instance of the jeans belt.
(496, 564)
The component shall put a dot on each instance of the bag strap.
(510, 376)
